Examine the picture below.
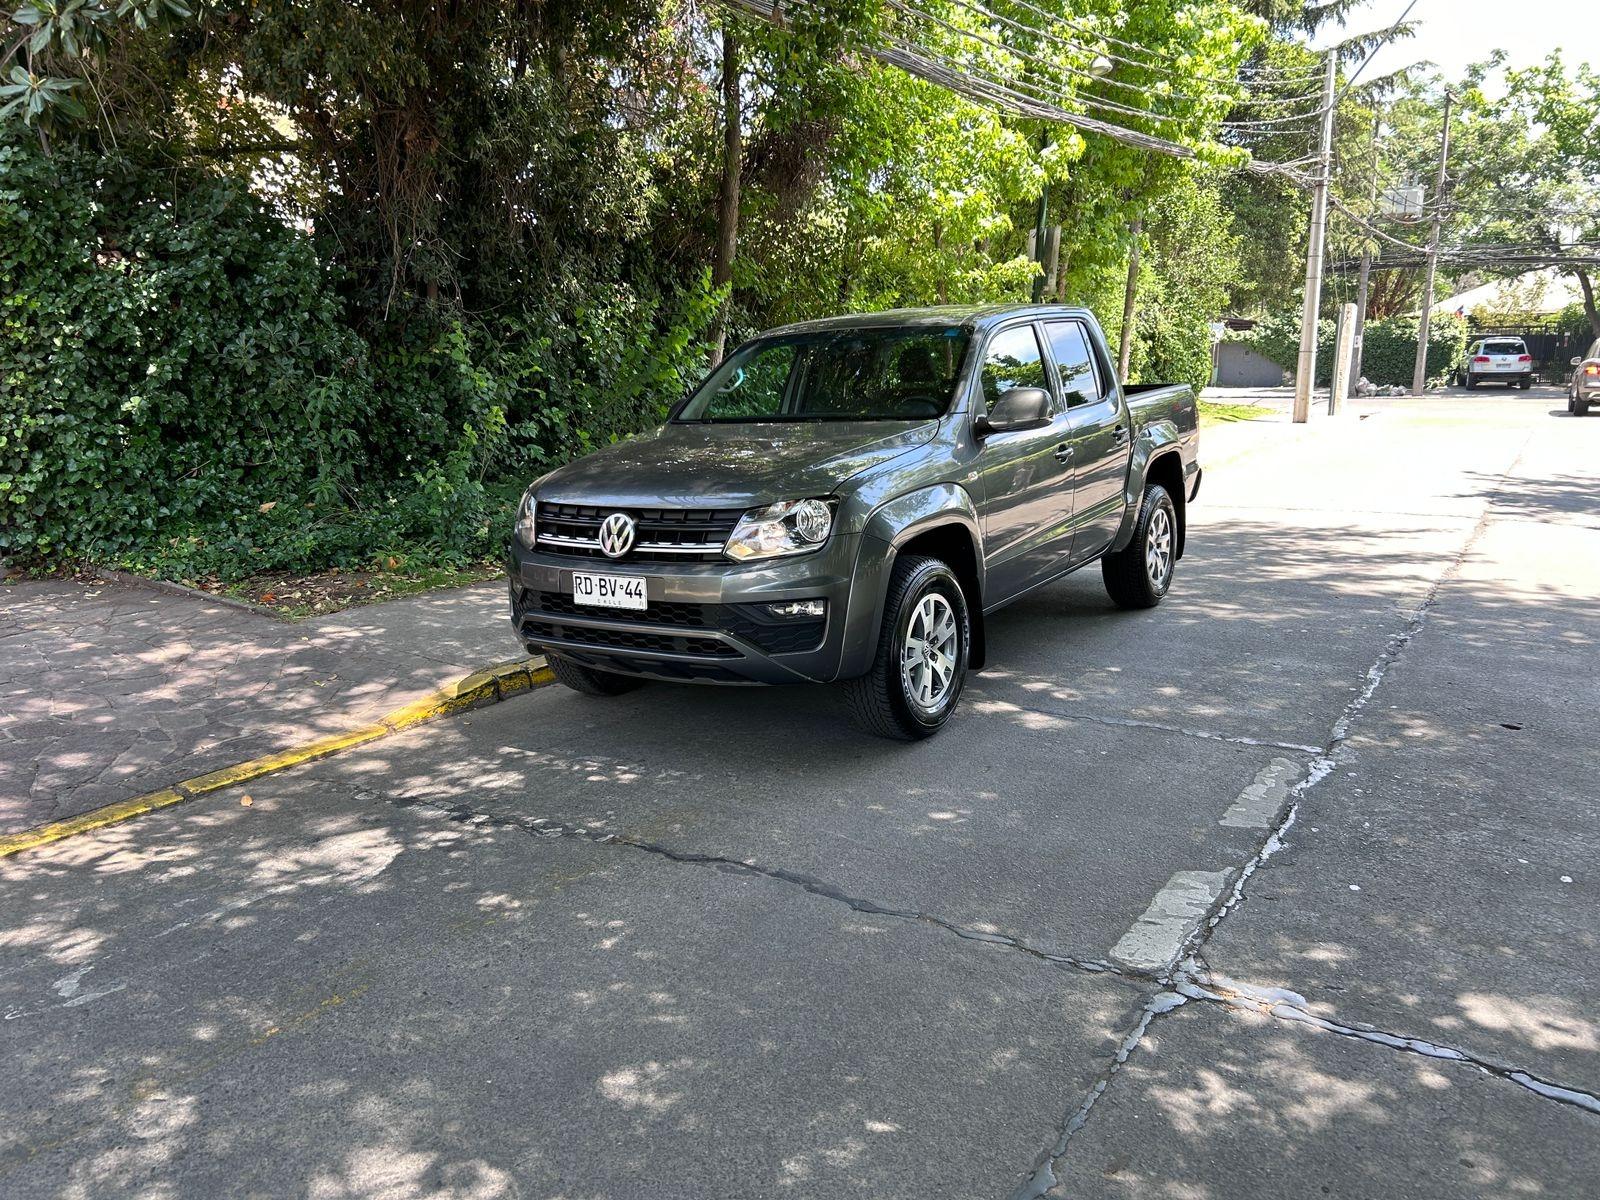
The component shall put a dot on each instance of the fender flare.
(1154, 440)
(886, 530)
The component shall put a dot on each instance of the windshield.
(906, 374)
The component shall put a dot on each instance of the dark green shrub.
(168, 355)
(1388, 353)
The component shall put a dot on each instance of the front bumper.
(706, 622)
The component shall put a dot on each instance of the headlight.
(527, 513)
(788, 527)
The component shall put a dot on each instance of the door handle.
(1063, 454)
(1119, 436)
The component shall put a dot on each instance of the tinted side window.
(1069, 346)
(1013, 361)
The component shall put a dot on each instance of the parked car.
(1585, 387)
(1497, 360)
(848, 500)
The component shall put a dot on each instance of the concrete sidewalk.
(108, 690)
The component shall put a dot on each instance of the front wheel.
(1139, 575)
(921, 663)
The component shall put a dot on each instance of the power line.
(1101, 105)
(1024, 27)
(1134, 46)
(1389, 35)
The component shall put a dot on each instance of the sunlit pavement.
(1287, 888)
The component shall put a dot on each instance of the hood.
(733, 465)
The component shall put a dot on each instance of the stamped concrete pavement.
(108, 690)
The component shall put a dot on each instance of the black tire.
(1472, 382)
(1525, 384)
(1572, 404)
(880, 701)
(1580, 408)
(589, 681)
(1140, 575)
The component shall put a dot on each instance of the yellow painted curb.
(473, 691)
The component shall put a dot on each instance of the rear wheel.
(589, 681)
(1472, 381)
(1139, 576)
(921, 664)
(1526, 383)
(1580, 408)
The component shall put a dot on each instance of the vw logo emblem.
(616, 535)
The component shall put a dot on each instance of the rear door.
(1027, 474)
(1101, 438)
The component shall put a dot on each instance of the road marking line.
(1154, 941)
(481, 687)
(1259, 804)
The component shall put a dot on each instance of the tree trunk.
(1589, 309)
(728, 197)
(1125, 349)
(1052, 261)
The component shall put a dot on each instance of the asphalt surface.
(1287, 888)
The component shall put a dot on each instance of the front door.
(1101, 438)
(1027, 474)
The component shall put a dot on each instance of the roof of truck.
(971, 316)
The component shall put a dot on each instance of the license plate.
(609, 591)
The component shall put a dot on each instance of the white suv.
(1498, 359)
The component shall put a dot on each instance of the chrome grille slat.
(697, 534)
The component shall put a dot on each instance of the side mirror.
(1577, 362)
(1019, 408)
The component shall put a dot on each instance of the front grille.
(542, 612)
(662, 534)
(669, 668)
(660, 612)
(626, 639)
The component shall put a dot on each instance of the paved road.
(1288, 888)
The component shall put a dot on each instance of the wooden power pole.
(1305, 378)
(1419, 373)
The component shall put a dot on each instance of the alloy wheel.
(928, 655)
(1158, 547)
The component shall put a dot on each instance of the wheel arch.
(1167, 470)
(941, 522)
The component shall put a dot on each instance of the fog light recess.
(799, 608)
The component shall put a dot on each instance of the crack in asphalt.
(1198, 984)
(543, 828)
(1043, 1180)
(1233, 739)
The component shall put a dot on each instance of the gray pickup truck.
(846, 500)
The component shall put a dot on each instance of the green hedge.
(1389, 349)
(183, 389)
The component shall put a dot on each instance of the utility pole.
(1419, 374)
(1305, 378)
(1363, 288)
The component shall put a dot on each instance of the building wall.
(1239, 365)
